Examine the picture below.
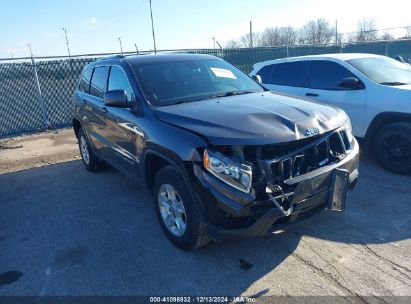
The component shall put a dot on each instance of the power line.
(378, 30)
(114, 21)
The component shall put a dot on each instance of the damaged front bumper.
(325, 187)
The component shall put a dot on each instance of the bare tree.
(387, 36)
(408, 31)
(271, 37)
(245, 40)
(278, 36)
(366, 31)
(232, 44)
(316, 32)
(289, 35)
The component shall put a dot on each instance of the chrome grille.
(328, 149)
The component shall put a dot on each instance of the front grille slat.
(332, 148)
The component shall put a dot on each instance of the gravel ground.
(37, 150)
(66, 231)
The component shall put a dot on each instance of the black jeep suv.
(223, 157)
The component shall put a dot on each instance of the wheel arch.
(381, 120)
(153, 161)
(76, 126)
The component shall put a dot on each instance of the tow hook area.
(338, 190)
(339, 184)
(278, 188)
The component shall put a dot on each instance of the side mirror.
(116, 99)
(257, 78)
(351, 83)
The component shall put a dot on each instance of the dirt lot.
(66, 231)
(37, 150)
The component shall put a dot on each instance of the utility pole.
(121, 47)
(251, 34)
(213, 41)
(67, 43)
(152, 27)
(12, 56)
(135, 44)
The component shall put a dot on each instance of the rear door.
(324, 77)
(287, 77)
(82, 98)
(96, 111)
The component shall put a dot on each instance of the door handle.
(84, 101)
(311, 94)
(104, 109)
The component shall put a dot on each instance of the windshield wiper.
(232, 93)
(393, 83)
(210, 97)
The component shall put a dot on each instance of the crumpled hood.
(252, 119)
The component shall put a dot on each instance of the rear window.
(84, 85)
(290, 74)
(99, 81)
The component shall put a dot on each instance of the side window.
(326, 75)
(118, 81)
(99, 81)
(84, 85)
(266, 73)
(290, 74)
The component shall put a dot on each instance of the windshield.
(383, 70)
(166, 83)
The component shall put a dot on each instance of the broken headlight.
(229, 171)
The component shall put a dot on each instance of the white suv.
(375, 91)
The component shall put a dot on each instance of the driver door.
(123, 132)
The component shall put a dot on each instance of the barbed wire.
(197, 50)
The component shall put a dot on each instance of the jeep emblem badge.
(311, 131)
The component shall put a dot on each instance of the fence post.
(46, 121)
(386, 47)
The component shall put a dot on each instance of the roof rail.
(112, 57)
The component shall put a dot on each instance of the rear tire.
(180, 218)
(393, 147)
(90, 159)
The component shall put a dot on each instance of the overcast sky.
(93, 26)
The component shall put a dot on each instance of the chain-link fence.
(28, 105)
(31, 103)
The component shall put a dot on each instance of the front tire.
(393, 147)
(90, 159)
(180, 219)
